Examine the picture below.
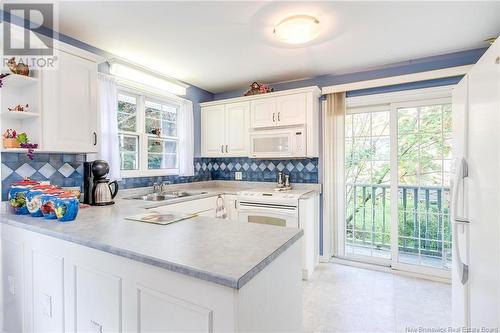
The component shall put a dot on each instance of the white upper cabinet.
(263, 113)
(257, 113)
(224, 130)
(291, 110)
(213, 120)
(237, 129)
(69, 104)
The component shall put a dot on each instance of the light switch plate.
(12, 284)
(47, 305)
(238, 175)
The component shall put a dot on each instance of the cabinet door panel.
(98, 301)
(12, 286)
(263, 112)
(69, 114)
(291, 110)
(213, 135)
(237, 129)
(48, 293)
(159, 312)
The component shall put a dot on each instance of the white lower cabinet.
(48, 292)
(51, 285)
(159, 312)
(12, 285)
(97, 300)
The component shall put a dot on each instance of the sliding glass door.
(396, 185)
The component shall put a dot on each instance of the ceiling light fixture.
(297, 29)
(145, 77)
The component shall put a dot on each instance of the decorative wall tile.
(59, 169)
(67, 170)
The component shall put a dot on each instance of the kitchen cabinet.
(69, 104)
(213, 120)
(225, 130)
(287, 110)
(291, 110)
(237, 129)
(263, 113)
(226, 124)
(202, 207)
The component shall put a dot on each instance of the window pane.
(127, 113)
(162, 118)
(162, 153)
(129, 151)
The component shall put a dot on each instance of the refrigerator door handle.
(462, 172)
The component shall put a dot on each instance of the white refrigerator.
(475, 201)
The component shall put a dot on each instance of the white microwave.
(278, 143)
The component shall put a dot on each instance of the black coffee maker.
(97, 189)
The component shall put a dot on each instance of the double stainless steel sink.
(165, 195)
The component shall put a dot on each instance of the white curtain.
(109, 146)
(185, 125)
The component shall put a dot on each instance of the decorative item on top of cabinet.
(256, 89)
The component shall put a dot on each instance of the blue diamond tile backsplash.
(60, 169)
(300, 171)
(67, 170)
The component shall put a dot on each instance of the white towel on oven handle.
(220, 210)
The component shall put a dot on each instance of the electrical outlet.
(238, 175)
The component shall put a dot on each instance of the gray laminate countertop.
(224, 252)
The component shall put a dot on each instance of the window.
(147, 130)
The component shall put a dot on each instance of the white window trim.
(142, 95)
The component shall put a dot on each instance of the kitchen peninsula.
(103, 273)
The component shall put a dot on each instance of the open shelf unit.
(21, 90)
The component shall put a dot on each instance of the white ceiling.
(221, 46)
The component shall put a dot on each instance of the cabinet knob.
(279, 116)
(226, 148)
(222, 148)
(273, 118)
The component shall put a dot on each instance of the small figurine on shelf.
(10, 139)
(156, 131)
(20, 68)
(19, 108)
(256, 89)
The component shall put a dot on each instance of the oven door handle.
(269, 211)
